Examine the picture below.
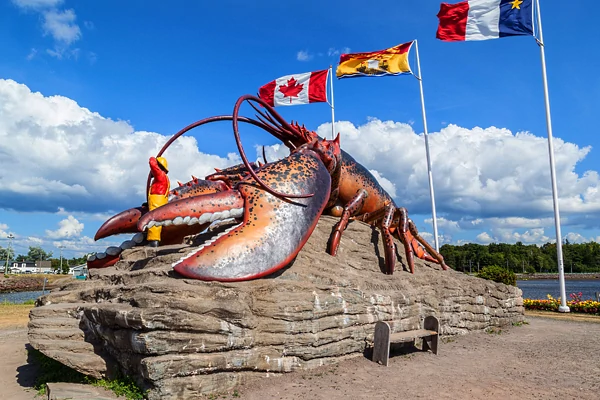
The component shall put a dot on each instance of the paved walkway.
(16, 375)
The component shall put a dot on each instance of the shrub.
(498, 274)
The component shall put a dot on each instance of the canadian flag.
(290, 90)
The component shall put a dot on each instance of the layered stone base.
(181, 338)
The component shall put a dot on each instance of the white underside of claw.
(203, 219)
(205, 244)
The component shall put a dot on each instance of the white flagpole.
(561, 268)
(426, 135)
(332, 107)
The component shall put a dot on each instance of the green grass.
(122, 386)
(51, 370)
(10, 303)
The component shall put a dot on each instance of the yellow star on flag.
(516, 4)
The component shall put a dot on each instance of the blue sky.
(116, 79)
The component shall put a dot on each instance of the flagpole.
(332, 107)
(426, 135)
(559, 255)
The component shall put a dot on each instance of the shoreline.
(31, 282)
(554, 276)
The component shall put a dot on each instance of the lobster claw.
(123, 222)
(272, 230)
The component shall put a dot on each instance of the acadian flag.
(290, 90)
(484, 19)
(392, 61)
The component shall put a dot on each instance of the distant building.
(31, 267)
(23, 267)
(79, 272)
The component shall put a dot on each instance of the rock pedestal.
(181, 338)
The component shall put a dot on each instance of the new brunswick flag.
(392, 61)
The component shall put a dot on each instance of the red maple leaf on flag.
(291, 89)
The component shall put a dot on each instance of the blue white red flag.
(484, 19)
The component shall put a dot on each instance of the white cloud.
(34, 241)
(444, 224)
(531, 236)
(333, 52)
(61, 26)
(428, 236)
(81, 246)
(68, 228)
(31, 55)
(274, 152)
(386, 184)
(83, 161)
(303, 56)
(3, 231)
(37, 4)
(477, 172)
(485, 238)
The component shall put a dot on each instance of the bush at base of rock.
(498, 274)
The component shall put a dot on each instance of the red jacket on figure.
(160, 181)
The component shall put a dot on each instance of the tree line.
(36, 253)
(519, 258)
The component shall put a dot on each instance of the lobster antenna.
(238, 141)
(275, 131)
(264, 155)
(266, 116)
(260, 124)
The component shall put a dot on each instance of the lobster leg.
(437, 257)
(404, 236)
(351, 209)
(389, 246)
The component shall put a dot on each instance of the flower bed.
(576, 304)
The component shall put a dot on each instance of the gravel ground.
(544, 359)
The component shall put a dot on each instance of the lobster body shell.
(354, 177)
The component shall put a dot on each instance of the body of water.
(540, 289)
(20, 297)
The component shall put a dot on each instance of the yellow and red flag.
(392, 61)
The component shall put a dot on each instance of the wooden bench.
(383, 338)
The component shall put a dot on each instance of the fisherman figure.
(158, 194)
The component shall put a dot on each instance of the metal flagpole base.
(564, 309)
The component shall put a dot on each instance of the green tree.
(37, 253)
(4, 255)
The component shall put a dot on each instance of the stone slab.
(76, 391)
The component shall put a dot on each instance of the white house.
(79, 271)
(23, 267)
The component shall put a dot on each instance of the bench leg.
(431, 323)
(381, 343)
(431, 343)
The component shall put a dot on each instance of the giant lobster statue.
(275, 206)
